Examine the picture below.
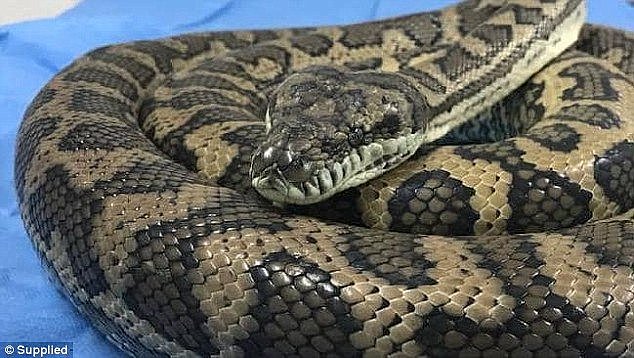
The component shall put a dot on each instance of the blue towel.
(31, 52)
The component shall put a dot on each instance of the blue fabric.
(31, 52)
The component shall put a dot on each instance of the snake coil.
(133, 179)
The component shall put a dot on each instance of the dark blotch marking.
(472, 13)
(44, 96)
(436, 324)
(193, 98)
(104, 78)
(312, 44)
(540, 200)
(592, 114)
(173, 143)
(163, 54)
(512, 116)
(223, 66)
(253, 54)
(526, 15)
(424, 79)
(439, 203)
(365, 64)
(268, 35)
(610, 241)
(236, 174)
(494, 35)
(614, 172)
(399, 264)
(89, 101)
(341, 207)
(215, 82)
(57, 206)
(94, 135)
(187, 99)
(198, 43)
(307, 292)
(592, 82)
(29, 140)
(426, 32)
(423, 29)
(138, 70)
(457, 61)
(557, 137)
(210, 81)
(150, 176)
(599, 40)
(160, 53)
(361, 35)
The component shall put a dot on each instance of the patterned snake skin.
(133, 178)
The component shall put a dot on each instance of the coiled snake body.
(133, 174)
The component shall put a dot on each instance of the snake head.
(328, 130)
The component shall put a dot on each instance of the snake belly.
(132, 174)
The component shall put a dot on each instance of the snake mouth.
(361, 165)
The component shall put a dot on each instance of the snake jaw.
(286, 184)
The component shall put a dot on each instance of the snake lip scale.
(470, 172)
(370, 160)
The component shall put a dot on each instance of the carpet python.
(474, 167)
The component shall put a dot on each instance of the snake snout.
(279, 172)
(294, 168)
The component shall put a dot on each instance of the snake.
(451, 183)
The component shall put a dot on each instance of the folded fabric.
(31, 52)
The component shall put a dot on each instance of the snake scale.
(134, 171)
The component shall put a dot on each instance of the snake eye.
(355, 138)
